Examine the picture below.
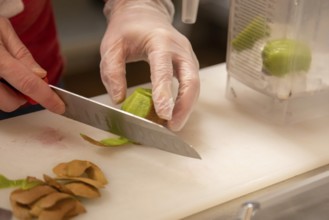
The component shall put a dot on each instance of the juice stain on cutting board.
(50, 137)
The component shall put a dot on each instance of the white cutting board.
(240, 154)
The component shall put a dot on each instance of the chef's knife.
(119, 122)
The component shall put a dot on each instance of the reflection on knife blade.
(124, 124)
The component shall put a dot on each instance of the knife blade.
(125, 124)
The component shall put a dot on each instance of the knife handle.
(28, 99)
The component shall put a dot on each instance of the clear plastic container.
(278, 56)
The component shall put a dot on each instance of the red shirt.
(36, 28)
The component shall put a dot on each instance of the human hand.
(21, 71)
(142, 30)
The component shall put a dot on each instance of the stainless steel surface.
(306, 200)
(124, 124)
(231, 210)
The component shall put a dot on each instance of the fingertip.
(164, 108)
(58, 107)
(116, 91)
(116, 87)
(163, 100)
(55, 104)
(181, 113)
(171, 126)
(176, 124)
(39, 71)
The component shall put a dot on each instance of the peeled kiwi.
(284, 56)
(140, 103)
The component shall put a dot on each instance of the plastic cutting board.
(241, 154)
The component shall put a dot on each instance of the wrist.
(164, 7)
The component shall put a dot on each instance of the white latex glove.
(142, 30)
(20, 70)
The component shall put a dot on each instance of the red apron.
(36, 28)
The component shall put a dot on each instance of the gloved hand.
(141, 30)
(20, 70)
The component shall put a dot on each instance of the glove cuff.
(165, 6)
